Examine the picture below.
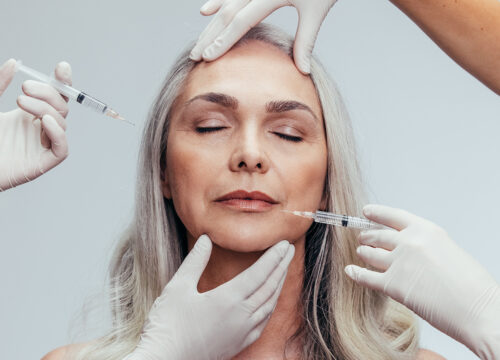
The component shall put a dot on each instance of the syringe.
(338, 220)
(72, 93)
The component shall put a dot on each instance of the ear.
(165, 186)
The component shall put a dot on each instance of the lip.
(242, 194)
(254, 201)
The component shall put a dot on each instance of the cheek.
(190, 173)
(305, 181)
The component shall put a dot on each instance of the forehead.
(255, 73)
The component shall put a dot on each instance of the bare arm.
(467, 30)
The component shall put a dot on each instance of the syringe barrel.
(91, 102)
(346, 221)
(70, 92)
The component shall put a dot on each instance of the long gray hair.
(341, 320)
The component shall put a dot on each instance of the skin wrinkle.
(200, 167)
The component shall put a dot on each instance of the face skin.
(246, 153)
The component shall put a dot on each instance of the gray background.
(427, 133)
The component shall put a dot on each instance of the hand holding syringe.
(70, 92)
(32, 137)
(417, 264)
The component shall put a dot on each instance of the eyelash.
(203, 130)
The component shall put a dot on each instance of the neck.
(225, 264)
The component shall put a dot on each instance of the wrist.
(485, 337)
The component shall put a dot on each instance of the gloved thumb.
(6, 74)
(307, 32)
(195, 262)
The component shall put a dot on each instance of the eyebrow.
(231, 102)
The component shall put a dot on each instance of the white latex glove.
(32, 137)
(235, 17)
(428, 273)
(184, 324)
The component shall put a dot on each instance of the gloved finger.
(40, 108)
(266, 309)
(250, 280)
(214, 26)
(379, 258)
(59, 143)
(224, 16)
(196, 261)
(305, 37)
(368, 278)
(47, 93)
(211, 7)
(395, 218)
(243, 21)
(6, 74)
(270, 287)
(385, 239)
(262, 316)
(63, 73)
(252, 337)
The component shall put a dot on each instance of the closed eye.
(202, 130)
(209, 129)
(289, 137)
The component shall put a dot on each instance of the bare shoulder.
(424, 354)
(64, 352)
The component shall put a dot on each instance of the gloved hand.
(235, 17)
(428, 273)
(184, 324)
(32, 137)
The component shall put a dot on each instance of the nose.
(249, 154)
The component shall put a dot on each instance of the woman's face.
(249, 121)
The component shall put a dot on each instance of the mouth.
(242, 200)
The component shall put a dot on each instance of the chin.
(248, 238)
(243, 241)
